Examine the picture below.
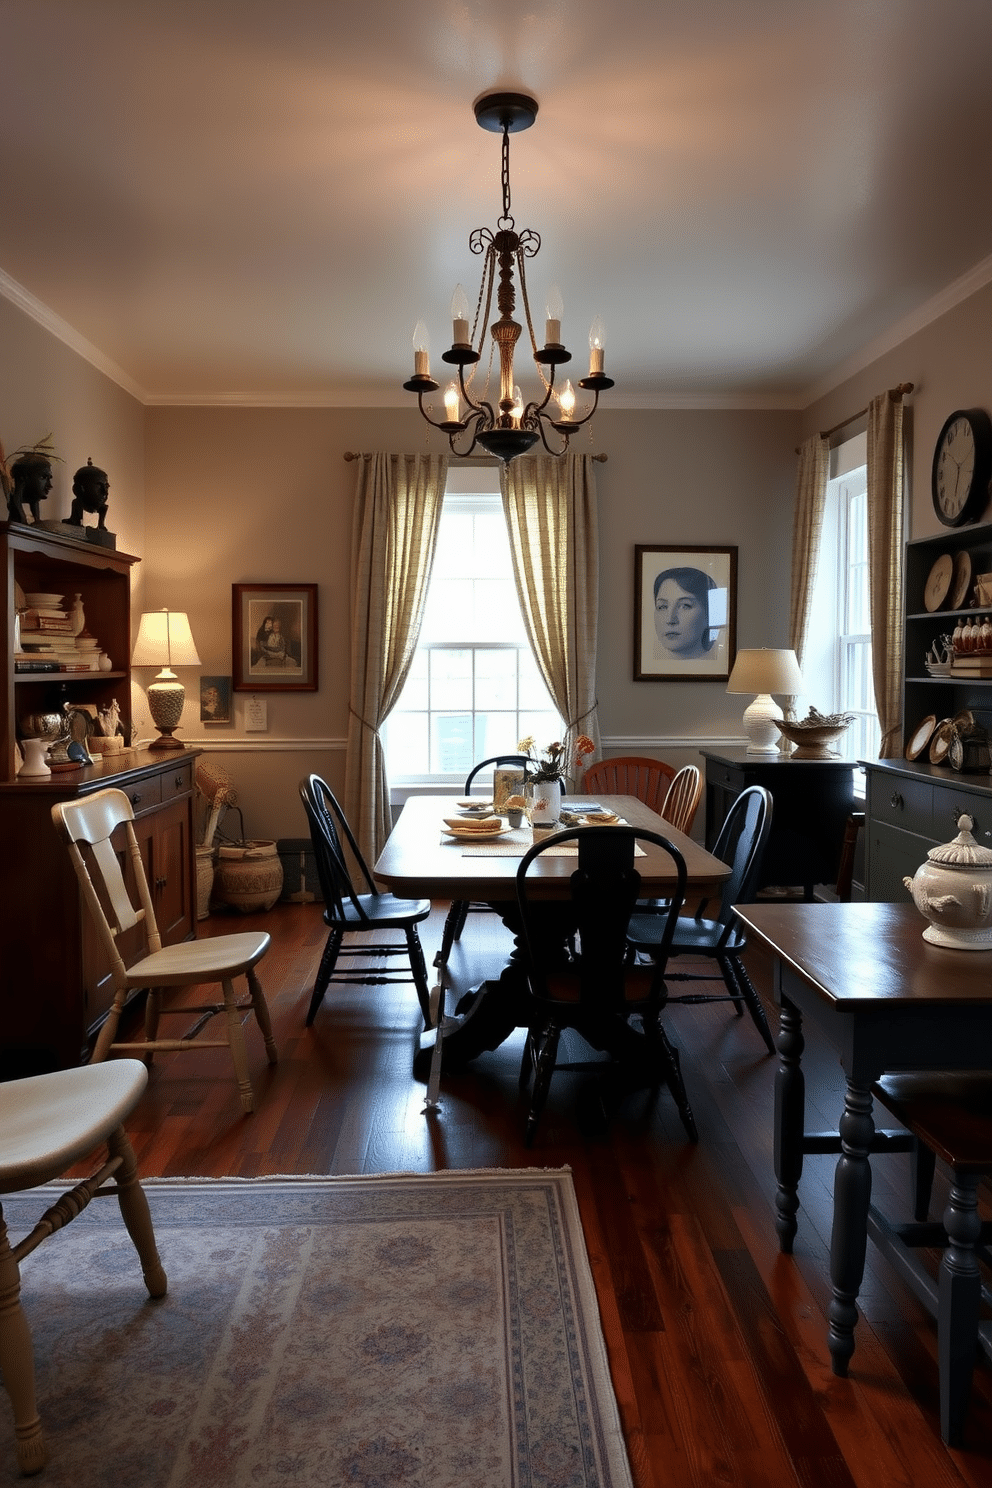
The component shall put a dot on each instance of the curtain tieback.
(363, 721)
(573, 723)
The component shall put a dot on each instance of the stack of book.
(48, 644)
(971, 664)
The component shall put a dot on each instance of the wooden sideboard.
(56, 986)
(812, 801)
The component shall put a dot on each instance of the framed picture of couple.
(274, 641)
(685, 613)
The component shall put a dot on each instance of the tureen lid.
(964, 851)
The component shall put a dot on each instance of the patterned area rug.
(436, 1332)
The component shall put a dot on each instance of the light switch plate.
(256, 715)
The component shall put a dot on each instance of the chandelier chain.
(506, 220)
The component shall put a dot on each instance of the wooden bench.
(951, 1116)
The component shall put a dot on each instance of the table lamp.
(165, 640)
(764, 671)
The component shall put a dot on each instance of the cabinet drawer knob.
(896, 801)
(135, 798)
(179, 782)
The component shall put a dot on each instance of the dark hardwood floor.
(716, 1341)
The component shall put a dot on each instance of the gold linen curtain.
(807, 525)
(394, 532)
(885, 539)
(552, 518)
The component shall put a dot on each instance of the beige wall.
(248, 495)
(211, 497)
(47, 389)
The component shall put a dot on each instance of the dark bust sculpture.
(31, 477)
(90, 488)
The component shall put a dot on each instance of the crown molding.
(917, 320)
(64, 332)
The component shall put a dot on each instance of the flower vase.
(545, 802)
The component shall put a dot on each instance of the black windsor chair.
(348, 910)
(580, 972)
(741, 843)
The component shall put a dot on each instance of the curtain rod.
(901, 391)
(462, 459)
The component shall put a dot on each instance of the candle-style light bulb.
(566, 401)
(459, 316)
(554, 310)
(421, 350)
(517, 411)
(597, 343)
(451, 404)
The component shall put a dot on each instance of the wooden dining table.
(862, 977)
(418, 861)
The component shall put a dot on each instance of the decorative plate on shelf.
(920, 737)
(45, 601)
(938, 584)
(961, 582)
(940, 742)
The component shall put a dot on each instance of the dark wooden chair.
(950, 1116)
(741, 843)
(845, 870)
(631, 775)
(458, 912)
(349, 910)
(580, 974)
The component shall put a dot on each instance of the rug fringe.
(449, 1173)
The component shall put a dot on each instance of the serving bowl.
(814, 734)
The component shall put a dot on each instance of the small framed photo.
(215, 699)
(274, 637)
(685, 613)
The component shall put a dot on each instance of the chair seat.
(382, 910)
(951, 1112)
(49, 1122)
(706, 936)
(200, 960)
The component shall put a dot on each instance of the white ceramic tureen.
(953, 890)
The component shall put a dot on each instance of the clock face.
(962, 464)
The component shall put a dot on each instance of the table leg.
(790, 1122)
(849, 1236)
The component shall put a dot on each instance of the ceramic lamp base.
(761, 720)
(165, 704)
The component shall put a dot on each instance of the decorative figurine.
(31, 481)
(90, 488)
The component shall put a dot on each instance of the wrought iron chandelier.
(511, 428)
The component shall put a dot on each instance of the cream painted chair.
(87, 826)
(47, 1124)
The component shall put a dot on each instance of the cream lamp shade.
(165, 640)
(762, 671)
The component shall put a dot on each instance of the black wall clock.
(962, 467)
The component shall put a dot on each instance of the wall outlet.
(256, 715)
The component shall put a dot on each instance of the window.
(837, 665)
(474, 687)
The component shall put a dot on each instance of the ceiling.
(255, 200)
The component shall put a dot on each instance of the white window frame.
(830, 645)
(466, 489)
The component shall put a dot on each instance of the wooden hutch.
(55, 985)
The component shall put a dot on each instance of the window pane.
(451, 743)
(451, 679)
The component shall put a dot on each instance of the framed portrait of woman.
(274, 637)
(685, 613)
